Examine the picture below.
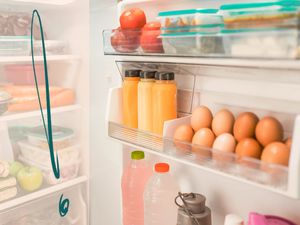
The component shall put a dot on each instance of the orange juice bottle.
(164, 96)
(130, 98)
(145, 100)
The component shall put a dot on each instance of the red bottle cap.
(162, 167)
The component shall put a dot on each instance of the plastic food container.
(274, 43)
(23, 74)
(62, 137)
(53, 47)
(259, 15)
(192, 20)
(14, 45)
(67, 172)
(5, 98)
(41, 156)
(14, 23)
(193, 44)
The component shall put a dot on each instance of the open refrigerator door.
(231, 60)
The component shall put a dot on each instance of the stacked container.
(261, 29)
(191, 32)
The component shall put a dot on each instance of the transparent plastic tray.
(281, 44)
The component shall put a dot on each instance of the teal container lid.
(282, 5)
(187, 12)
(245, 30)
(177, 12)
(137, 155)
(193, 27)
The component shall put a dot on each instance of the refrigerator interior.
(68, 71)
(238, 85)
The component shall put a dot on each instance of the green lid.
(177, 12)
(286, 4)
(244, 30)
(193, 27)
(137, 155)
(208, 11)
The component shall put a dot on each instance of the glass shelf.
(247, 169)
(248, 45)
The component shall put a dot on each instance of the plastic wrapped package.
(53, 47)
(36, 154)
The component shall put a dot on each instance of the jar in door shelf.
(130, 98)
(23, 74)
(145, 108)
(164, 95)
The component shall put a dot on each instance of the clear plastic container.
(67, 172)
(62, 137)
(183, 43)
(193, 44)
(14, 23)
(23, 74)
(53, 47)
(191, 20)
(14, 45)
(259, 14)
(275, 43)
(5, 98)
(41, 156)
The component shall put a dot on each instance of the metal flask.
(193, 210)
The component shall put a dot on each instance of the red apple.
(150, 40)
(125, 41)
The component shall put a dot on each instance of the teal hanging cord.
(48, 127)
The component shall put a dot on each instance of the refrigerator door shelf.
(272, 177)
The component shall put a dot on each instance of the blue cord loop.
(48, 127)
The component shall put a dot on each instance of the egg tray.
(276, 178)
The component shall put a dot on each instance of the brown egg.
(225, 142)
(268, 130)
(248, 147)
(244, 126)
(276, 153)
(201, 118)
(204, 137)
(184, 133)
(223, 122)
(288, 142)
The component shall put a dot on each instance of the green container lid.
(187, 12)
(137, 155)
(282, 5)
(245, 30)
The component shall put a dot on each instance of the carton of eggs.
(246, 135)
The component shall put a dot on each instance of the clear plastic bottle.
(164, 95)
(134, 179)
(145, 100)
(130, 98)
(160, 193)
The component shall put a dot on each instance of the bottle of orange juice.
(130, 98)
(145, 100)
(164, 96)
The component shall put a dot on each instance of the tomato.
(125, 41)
(150, 40)
(133, 19)
(152, 26)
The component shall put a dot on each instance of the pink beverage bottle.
(159, 197)
(134, 180)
